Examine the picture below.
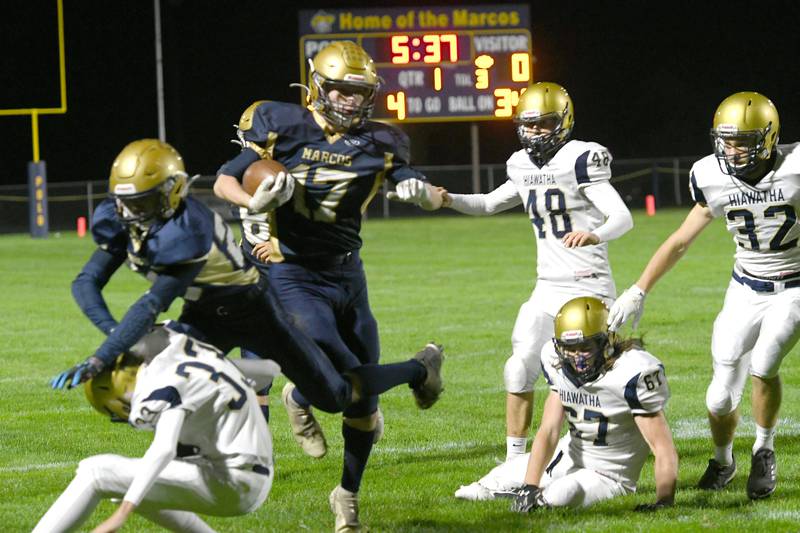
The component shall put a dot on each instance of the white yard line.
(41, 466)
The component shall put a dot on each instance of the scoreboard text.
(437, 63)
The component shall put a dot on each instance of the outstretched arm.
(87, 288)
(502, 198)
(656, 432)
(630, 304)
(670, 252)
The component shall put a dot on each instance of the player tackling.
(754, 183)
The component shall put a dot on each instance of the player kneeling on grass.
(612, 394)
(198, 403)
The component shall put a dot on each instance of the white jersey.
(223, 424)
(763, 219)
(603, 434)
(553, 199)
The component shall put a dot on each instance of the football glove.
(630, 304)
(414, 191)
(650, 507)
(528, 498)
(78, 374)
(272, 193)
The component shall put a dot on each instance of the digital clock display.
(438, 63)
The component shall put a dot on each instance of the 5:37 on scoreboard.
(438, 63)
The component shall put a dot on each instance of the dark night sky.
(645, 76)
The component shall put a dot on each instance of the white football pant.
(533, 329)
(180, 490)
(752, 334)
(563, 483)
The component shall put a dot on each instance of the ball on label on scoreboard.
(263, 169)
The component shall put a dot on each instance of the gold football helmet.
(744, 133)
(110, 392)
(582, 339)
(344, 67)
(148, 182)
(545, 117)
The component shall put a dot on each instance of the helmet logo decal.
(572, 335)
(125, 188)
(354, 77)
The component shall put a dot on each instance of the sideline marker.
(81, 226)
(650, 205)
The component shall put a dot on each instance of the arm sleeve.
(236, 166)
(618, 218)
(502, 198)
(647, 392)
(142, 314)
(158, 456)
(88, 285)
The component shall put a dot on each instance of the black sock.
(357, 447)
(265, 412)
(377, 379)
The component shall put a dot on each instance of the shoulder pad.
(107, 231)
(246, 120)
(185, 237)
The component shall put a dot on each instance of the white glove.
(412, 191)
(272, 193)
(629, 304)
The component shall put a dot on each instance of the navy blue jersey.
(193, 234)
(336, 175)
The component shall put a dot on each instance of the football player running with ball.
(564, 187)
(612, 393)
(196, 401)
(338, 160)
(753, 183)
(186, 250)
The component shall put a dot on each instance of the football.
(258, 172)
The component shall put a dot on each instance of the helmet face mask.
(148, 182)
(582, 340)
(544, 120)
(744, 134)
(343, 85)
(583, 359)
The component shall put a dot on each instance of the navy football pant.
(332, 307)
(255, 320)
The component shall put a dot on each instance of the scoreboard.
(438, 64)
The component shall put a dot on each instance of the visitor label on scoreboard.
(438, 63)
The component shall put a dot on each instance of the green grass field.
(456, 280)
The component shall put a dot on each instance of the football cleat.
(763, 475)
(427, 393)
(379, 426)
(344, 504)
(305, 428)
(717, 476)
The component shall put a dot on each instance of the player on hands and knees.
(612, 393)
(753, 183)
(197, 403)
(338, 160)
(574, 211)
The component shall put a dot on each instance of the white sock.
(515, 446)
(765, 438)
(724, 454)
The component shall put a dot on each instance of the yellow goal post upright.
(37, 173)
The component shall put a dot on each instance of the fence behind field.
(666, 179)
